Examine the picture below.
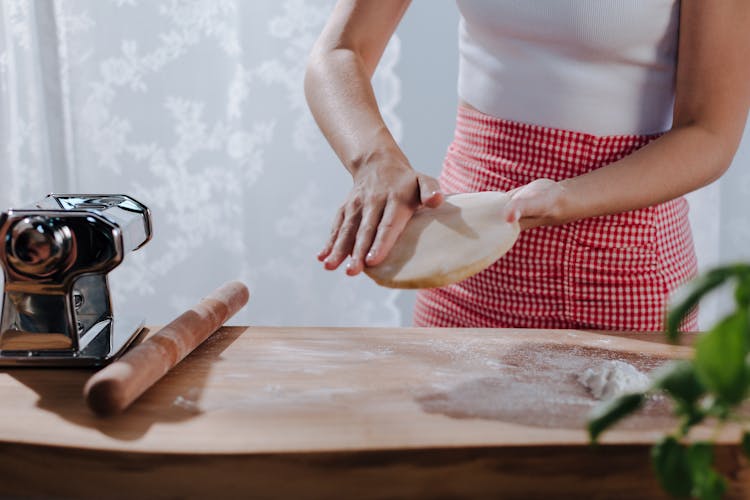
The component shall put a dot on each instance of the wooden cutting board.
(414, 412)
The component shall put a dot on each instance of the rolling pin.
(115, 387)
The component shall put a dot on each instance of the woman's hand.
(386, 189)
(538, 203)
(382, 201)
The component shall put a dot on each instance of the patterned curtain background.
(196, 108)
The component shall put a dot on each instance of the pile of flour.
(613, 378)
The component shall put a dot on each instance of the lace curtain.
(196, 108)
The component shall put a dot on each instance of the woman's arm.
(711, 107)
(386, 189)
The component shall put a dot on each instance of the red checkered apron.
(605, 273)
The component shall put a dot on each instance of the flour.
(534, 385)
(613, 378)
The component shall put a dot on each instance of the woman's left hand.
(538, 203)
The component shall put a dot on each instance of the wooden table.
(346, 412)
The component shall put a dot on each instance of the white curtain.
(196, 108)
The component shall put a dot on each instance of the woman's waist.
(497, 143)
(599, 99)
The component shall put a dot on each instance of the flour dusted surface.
(612, 378)
(533, 385)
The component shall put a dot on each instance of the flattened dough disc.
(444, 245)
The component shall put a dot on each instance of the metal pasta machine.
(56, 255)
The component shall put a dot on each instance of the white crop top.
(604, 67)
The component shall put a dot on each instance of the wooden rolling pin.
(115, 387)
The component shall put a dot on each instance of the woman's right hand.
(386, 189)
(384, 197)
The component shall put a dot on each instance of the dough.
(443, 245)
(613, 378)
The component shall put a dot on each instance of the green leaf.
(672, 466)
(742, 292)
(690, 294)
(746, 443)
(712, 486)
(707, 483)
(720, 358)
(681, 381)
(687, 471)
(610, 413)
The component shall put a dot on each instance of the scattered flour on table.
(613, 378)
(535, 385)
(186, 404)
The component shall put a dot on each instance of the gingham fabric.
(605, 273)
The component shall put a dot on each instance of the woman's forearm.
(341, 98)
(682, 160)
(711, 106)
(712, 98)
(386, 190)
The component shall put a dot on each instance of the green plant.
(712, 385)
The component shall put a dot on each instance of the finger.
(337, 221)
(344, 241)
(365, 236)
(513, 212)
(429, 191)
(530, 223)
(512, 192)
(525, 204)
(395, 217)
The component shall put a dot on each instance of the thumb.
(513, 212)
(525, 203)
(515, 209)
(429, 191)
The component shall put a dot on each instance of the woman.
(597, 116)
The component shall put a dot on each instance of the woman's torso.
(604, 67)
